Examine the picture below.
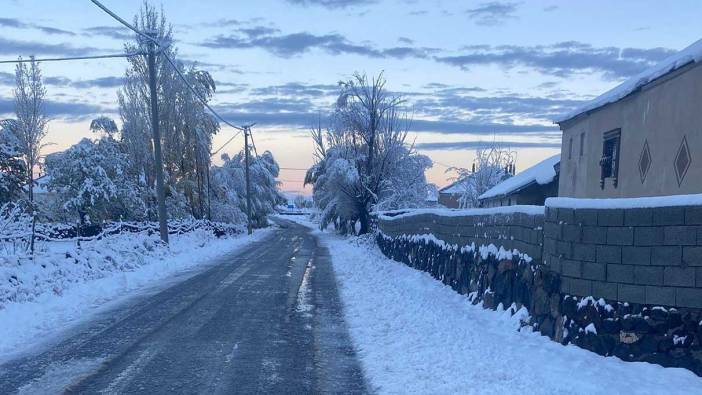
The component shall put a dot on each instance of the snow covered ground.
(415, 335)
(75, 285)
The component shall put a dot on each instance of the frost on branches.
(13, 171)
(363, 162)
(228, 183)
(492, 165)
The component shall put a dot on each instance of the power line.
(122, 55)
(125, 23)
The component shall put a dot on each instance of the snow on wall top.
(446, 212)
(541, 173)
(693, 53)
(642, 202)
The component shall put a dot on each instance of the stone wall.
(638, 255)
(616, 282)
(520, 231)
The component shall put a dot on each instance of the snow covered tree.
(105, 126)
(12, 168)
(492, 165)
(94, 183)
(30, 125)
(186, 126)
(362, 159)
(229, 188)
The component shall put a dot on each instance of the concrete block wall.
(520, 231)
(638, 255)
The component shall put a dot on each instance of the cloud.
(551, 8)
(332, 4)
(26, 48)
(17, 24)
(60, 109)
(467, 145)
(288, 45)
(562, 59)
(296, 89)
(492, 13)
(115, 32)
(101, 82)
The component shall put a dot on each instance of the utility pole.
(158, 161)
(247, 130)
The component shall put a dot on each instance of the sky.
(471, 72)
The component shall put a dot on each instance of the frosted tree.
(105, 126)
(93, 182)
(492, 165)
(30, 125)
(229, 188)
(13, 172)
(362, 159)
(185, 125)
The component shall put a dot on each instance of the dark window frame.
(582, 144)
(610, 160)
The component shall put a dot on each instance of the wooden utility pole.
(248, 182)
(158, 160)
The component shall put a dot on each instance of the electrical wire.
(125, 23)
(122, 55)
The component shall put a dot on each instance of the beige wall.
(662, 113)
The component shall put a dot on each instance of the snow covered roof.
(541, 173)
(457, 187)
(40, 184)
(691, 54)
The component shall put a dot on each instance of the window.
(570, 148)
(582, 144)
(609, 163)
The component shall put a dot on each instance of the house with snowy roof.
(642, 138)
(531, 186)
(449, 195)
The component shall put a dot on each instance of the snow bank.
(542, 173)
(642, 202)
(415, 335)
(693, 53)
(67, 285)
(447, 212)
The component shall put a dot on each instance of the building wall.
(662, 115)
(448, 200)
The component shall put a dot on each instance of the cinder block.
(608, 254)
(565, 248)
(610, 217)
(635, 255)
(565, 284)
(585, 252)
(594, 235)
(549, 246)
(648, 275)
(649, 236)
(658, 296)
(692, 256)
(586, 216)
(571, 268)
(666, 255)
(669, 216)
(638, 217)
(631, 293)
(572, 232)
(594, 271)
(566, 215)
(580, 287)
(688, 297)
(679, 276)
(693, 215)
(620, 235)
(552, 230)
(698, 276)
(680, 235)
(605, 290)
(551, 214)
(620, 273)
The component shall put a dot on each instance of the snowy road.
(265, 320)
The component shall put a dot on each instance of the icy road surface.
(266, 320)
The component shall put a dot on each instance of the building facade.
(645, 139)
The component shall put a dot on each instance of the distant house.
(531, 186)
(449, 195)
(42, 195)
(642, 138)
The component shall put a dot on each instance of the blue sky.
(471, 71)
